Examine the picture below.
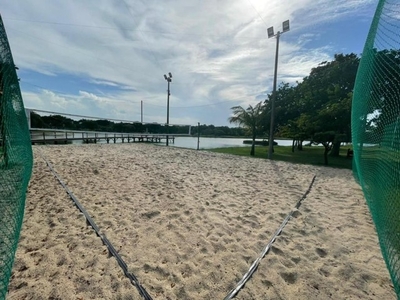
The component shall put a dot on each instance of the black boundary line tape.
(106, 242)
(255, 264)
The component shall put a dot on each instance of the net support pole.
(198, 135)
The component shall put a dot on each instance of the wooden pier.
(59, 136)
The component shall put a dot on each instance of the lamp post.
(285, 28)
(168, 79)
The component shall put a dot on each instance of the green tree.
(249, 118)
(58, 122)
(326, 139)
(85, 124)
(286, 106)
(291, 118)
(320, 103)
(37, 121)
(381, 105)
(328, 90)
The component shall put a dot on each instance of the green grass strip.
(309, 155)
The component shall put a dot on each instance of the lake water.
(205, 142)
(210, 143)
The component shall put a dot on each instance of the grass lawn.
(310, 155)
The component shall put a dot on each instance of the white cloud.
(216, 50)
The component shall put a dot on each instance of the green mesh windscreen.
(15, 160)
(376, 130)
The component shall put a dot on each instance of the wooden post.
(198, 135)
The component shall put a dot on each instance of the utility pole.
(271, 129)
(141, 111)
(168, 79)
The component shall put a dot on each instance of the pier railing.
(60, 136)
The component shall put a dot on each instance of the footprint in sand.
(277, 251)
(321, 252)
(289, 277)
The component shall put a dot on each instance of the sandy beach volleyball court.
(189, 224)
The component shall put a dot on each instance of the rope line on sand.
(255, 264)
(111, 250)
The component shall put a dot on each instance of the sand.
(189, 224)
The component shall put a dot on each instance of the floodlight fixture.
(285, 26)
(270, 32)
(170, 75)
(165, 76)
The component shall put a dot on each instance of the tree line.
(62, 122)
(317, 109)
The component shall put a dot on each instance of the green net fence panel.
(376, 130)
(15, 160)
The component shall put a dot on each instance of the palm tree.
(250, 118)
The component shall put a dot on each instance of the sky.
(102, 58)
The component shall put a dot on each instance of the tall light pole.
(168, 79)
(285, 28)
(141, 111)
